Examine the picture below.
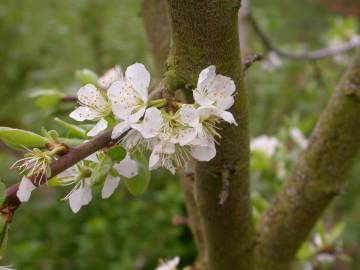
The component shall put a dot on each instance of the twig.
(304, 56)
(251, 59)
(73, 156)
(69, 99)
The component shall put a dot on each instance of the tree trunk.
(203, 33)
(317, 178)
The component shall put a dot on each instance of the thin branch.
(304, 56)
(69, 99)
(73, 156)
(251, 59)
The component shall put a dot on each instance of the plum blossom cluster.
(173, 136)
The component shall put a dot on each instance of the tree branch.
(203, 33)
(73, 156)
(304, 56)
(317, 177)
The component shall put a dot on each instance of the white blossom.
(129, 97)
(112, 75)
(215, 90)
(35, 162)
(81, 193)
(265, 144)
(93, 106)
(127, 168)
(169, 265)
(298, 137)
(26, 187)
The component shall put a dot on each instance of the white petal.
(139, 78)
(186, 135)
(86, 195)
(165, 147)
(154, 160)
(84, 113)
(112, 75)
(119, 129)
(124, 99)
(89, 96)
(75, 200)
(206, 75)
(152, 123)
(127, 167)
(100, 126)
(228, 117)
(133, 118)
(25, 189)
(70, 172)
(170, 166)
(110, 184)
(203, 153)
(222, 85)
(225, 103)
(189, 115)
(201, 98)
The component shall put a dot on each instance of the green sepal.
(18, 138)
(117, 153)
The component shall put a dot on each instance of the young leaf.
(86, 76)
(102, 169)
(18, 138)
(47, 98)
(74, 131)
(138, 184)
(117, 153)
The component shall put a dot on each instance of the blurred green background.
(42, 44)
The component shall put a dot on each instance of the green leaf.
(117, 153)
(18, 138)
(2, 192)
(139, 184)
(102, 169)
(74, 131)
(86, 76)
(46, 99)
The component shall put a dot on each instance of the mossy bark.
(203, 33)
(317, 178)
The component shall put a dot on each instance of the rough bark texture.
(317, 177)
(203, 33)
(157, 29)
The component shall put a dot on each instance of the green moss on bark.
(203, 33)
